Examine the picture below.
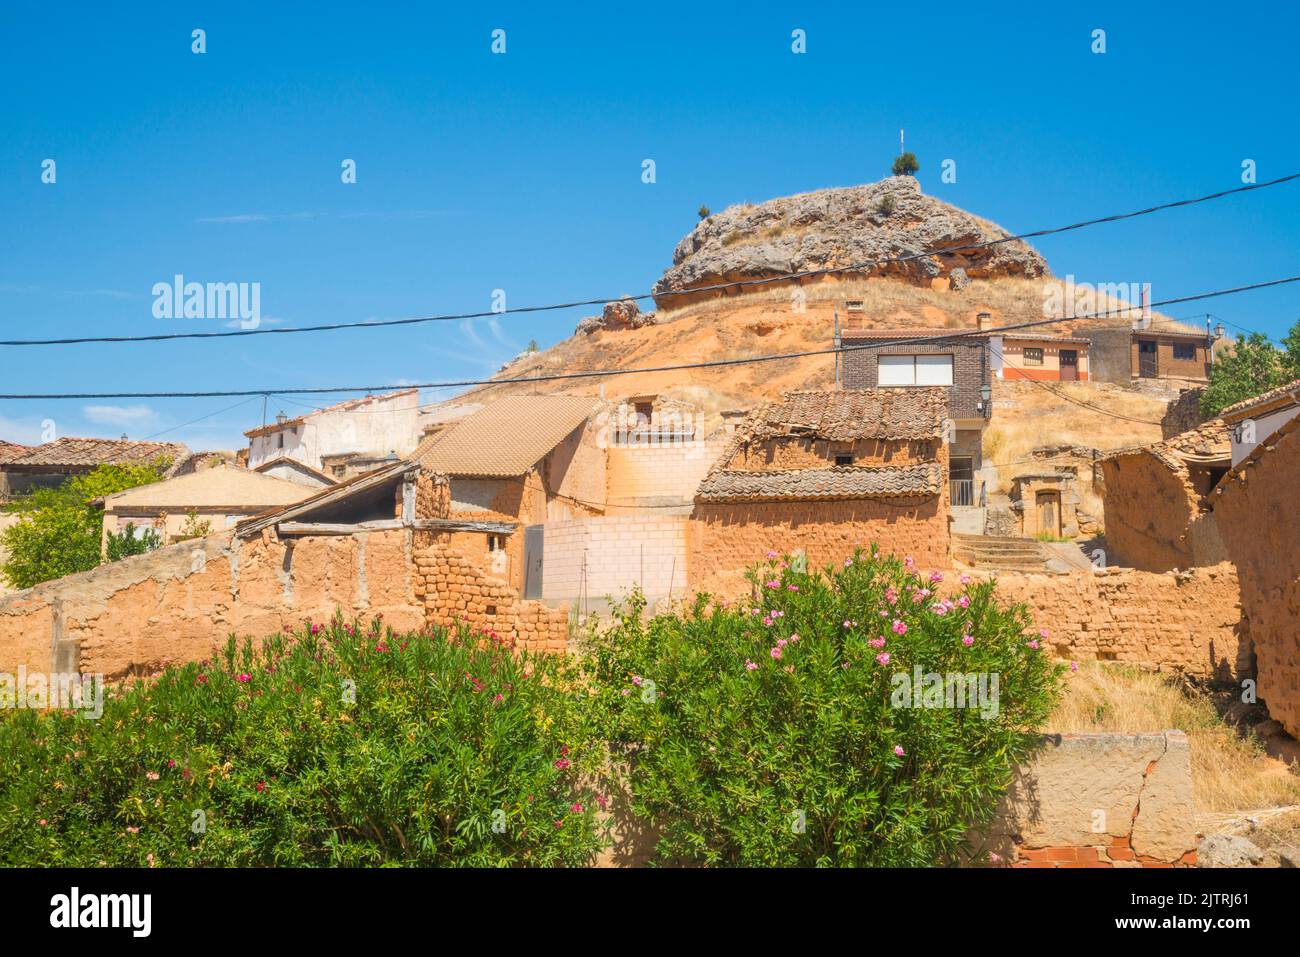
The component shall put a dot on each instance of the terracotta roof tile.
(1237, 409)
(507, 437)
(843, 415)
(1209, 442)
(843, 482)
(66, 453)
(11, 450)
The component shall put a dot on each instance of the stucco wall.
(1100, 800)
(1148, 509)
(658, 474)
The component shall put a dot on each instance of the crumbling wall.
(1185, 621)
(455, 590)
(1100, 800)
(1148, 509)
(181, 602)
(1257, 515)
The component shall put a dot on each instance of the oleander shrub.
(783, 730)
(341, 744)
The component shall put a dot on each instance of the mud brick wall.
(1148, 510)
(1183, 621)
(456, 590)
(181, 602)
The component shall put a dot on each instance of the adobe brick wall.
(1148, 508)
(793, 452)
(181, 602)
(1185, 621)
(1257, 516)
(1167, 367)
(619, 551)
(1100, 800)
(725, 538)
(456, 590)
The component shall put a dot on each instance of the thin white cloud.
(22, 431)
(119, 415)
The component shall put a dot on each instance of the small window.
(496, 543)
(854, 305)
(844, 460)
(280, 437)
(645, 411)
(1184, 350)
(1033, 356)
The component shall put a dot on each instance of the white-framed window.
(927, 370)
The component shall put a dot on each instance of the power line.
(715, 287)
(199, 419)
(605, 373)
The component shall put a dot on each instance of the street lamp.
(986, 399)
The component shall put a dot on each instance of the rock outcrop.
(836, 228)
(616, 316)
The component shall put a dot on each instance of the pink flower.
(965, 579)
(626, 692)
(964, 601)
(171, 762)
(261, 786)
(794, 636)
(636, 680)
(1074, 666)
(791, 587)
(850, 624)
(883, 658)
(576, 807)
(967, 640)
(773, 584)
(939, 608)
(750, 666)
(781, 642)
(562, 764)
(891, 595)
(1032, 644)
(909, 562)
(499, 698)
(844, 664)
(877, 642)
(775, 652)
(131, 829)
(848, 562)
(244, 678)
(936, 576)
(1043, 633)
(42, 822)
(201, 680)
(900, 627)
(771, 554)
(898, 750)
(602, 801)
(315, 629)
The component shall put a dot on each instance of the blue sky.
(523, 171)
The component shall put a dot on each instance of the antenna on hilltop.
(900, 142)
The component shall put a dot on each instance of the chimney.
(984, 321)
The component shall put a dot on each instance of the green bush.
(58, 530)
(126, 543)
(770, 733)
(451, 751)
(905, 164)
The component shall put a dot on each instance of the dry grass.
(1230, 772)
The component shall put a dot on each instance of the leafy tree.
(905, 164)
(126, 543)
(704, 212)
(1252, 366)
(58, 530)
(532, 345)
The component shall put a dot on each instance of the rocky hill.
(837, 228)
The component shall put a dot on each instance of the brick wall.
(1166, 365)
(619, 551)
(456, 590)
(725, 538)
(969, 368)
(1186, 621)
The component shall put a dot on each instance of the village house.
(1174, 352)
(1026, 354)
(1157, 495)
(52, 464)
(374, 425)
(824, 473)
(200, 502)
(1253, 420)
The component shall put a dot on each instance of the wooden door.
(1147, 365)
(1049, 513)
(1069, 365)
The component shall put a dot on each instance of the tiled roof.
(66, 453)
(905, 334)
(1209, 442)
(507, 437)
(846, 482)
(843, 415)
(1267, 398)
(11, 450)
(349, 405)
